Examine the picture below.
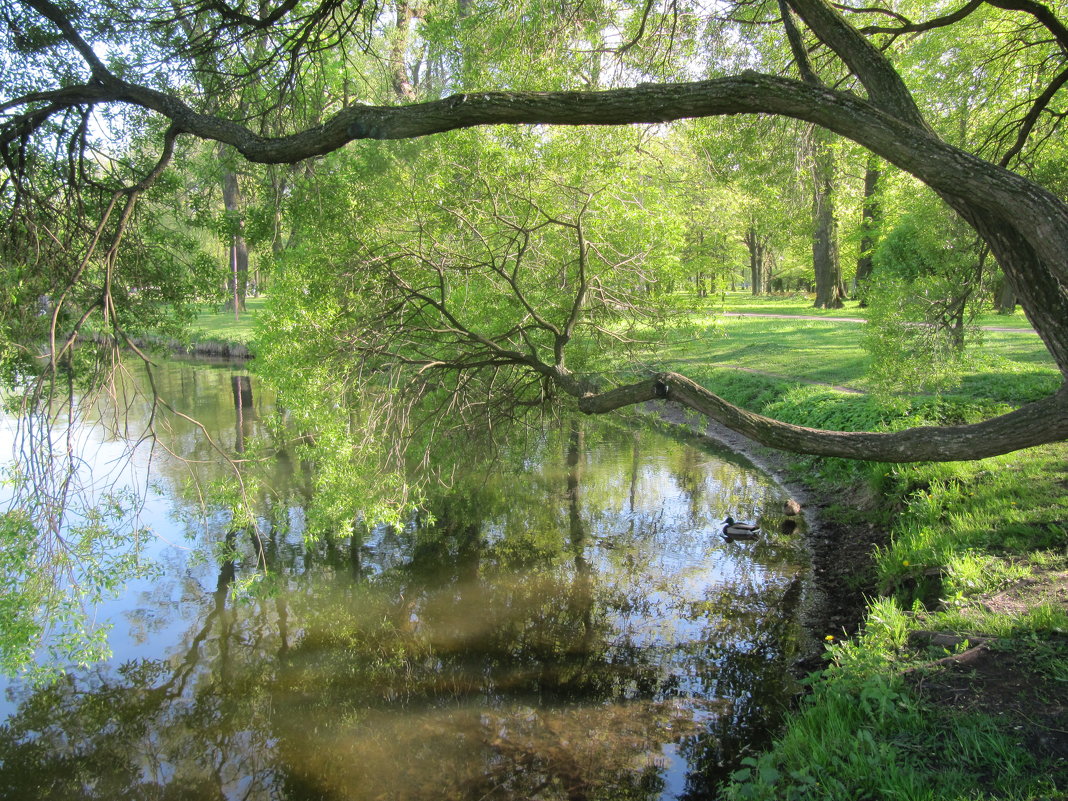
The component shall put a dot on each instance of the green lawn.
(214, 325)
(1012, 366)
(801, 304)
(796, 303)
(828, 352)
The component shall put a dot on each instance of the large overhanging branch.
(1035, 424)
(889, 124)
(884, 85)
(1026, 226)
(1013, 209)
(913, 149)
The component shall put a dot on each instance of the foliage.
(927, 290)
(413, 323)
(53, 582)
(862, 734)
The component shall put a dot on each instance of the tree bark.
(829, 289)
(1006, 299)
(402, 83)
(1035, 424)
(869, 224)
(758, 260)
(237, 264)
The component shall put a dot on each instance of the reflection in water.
(573, 628)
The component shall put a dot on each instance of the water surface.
(570, 624)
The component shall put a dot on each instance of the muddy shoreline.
(841, 553)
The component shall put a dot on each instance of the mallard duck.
(733, 530)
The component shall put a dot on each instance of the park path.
(851, 320)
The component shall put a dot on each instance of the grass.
(797, 303)
(831, 351)
(1006, 366)
(871, 729)
(220, 326)
(801, 304)
(976, 548)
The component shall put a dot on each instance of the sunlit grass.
(797, 303)
(1012, 367)
(800, 303)
(222, 326)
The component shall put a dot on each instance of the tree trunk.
(1034, 424)
(869, 225)
(237, 264)
(402, 83)
(829, 289)
(758, 260)
(1006, 298)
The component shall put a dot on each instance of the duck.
(733, 530)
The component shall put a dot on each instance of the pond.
(567, 622)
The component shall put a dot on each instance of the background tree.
(1024, 225)
(931, 281)
(871, 216)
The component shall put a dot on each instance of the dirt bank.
(841, 553)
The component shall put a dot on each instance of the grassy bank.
(799, 304)
(213, 325)
(956, 686)
(1008, 366)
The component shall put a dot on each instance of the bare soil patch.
(1022, 681)
(1006, 681)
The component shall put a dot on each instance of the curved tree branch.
(920, 27)
(1035, 424)
(886, 89)
(1041, 13)
(1026, 226)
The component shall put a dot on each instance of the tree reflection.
(549, 634)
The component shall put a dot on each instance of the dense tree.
(830, 292)
(930, 282)
(103, 58)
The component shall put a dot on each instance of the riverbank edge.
(208, 348)
(996, 695)
(841, 554)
